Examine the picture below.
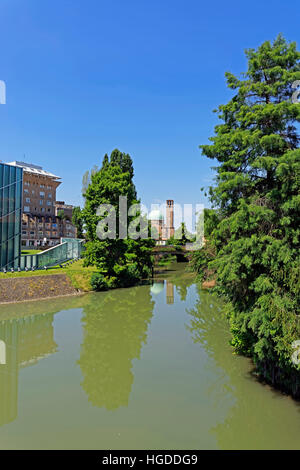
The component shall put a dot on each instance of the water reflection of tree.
(182, 285)
(253, 413)
(115, 328)
(209, 328)
(207, 320)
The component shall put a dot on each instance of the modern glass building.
(11, 181)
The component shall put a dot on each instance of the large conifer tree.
(256, 242)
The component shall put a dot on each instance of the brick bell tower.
(170, 218)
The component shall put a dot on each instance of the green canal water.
(148, 367)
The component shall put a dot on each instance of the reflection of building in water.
(170, 292)
(27, 340)
(158, 286)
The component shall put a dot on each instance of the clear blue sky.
(86, 76)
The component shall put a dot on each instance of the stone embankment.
(20, 289)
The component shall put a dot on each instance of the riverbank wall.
(20, 289)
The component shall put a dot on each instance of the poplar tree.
(121, 261)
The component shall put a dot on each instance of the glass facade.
(69, 248)
(11, 180)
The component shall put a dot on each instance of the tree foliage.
(61, 214)
(125, 261)
(181, 236)
(253, 244)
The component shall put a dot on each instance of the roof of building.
(34, 169)
(62, 204)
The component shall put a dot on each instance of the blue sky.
(85, 77)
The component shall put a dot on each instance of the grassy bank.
(80, 276)
(30, 252)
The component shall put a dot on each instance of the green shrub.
(99, 282)
(127, 275)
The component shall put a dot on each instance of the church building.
(163, 230)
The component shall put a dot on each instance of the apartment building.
(41, 225)
(67, 209)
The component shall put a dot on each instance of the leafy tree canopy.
(253, 246)
(181, 236)
(123, 261)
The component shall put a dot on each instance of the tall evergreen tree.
(123, 261)
(256, 240)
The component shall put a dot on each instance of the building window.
(26, 209)
(41, 202)
(49, 203)
(24, 232)
(42, 185)
(50, 196)
(27, 199)
(33, 191)
(26, 183)
(42, 194)
(42, 209)
(26, 191)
